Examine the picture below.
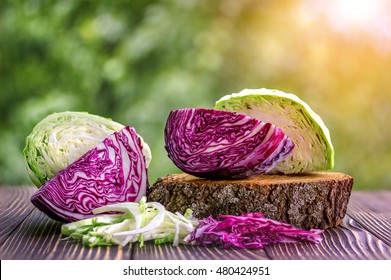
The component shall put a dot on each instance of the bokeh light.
(134, 61)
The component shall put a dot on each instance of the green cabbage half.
(62, 138)
(313, 148)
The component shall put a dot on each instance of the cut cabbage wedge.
(313, 148)
(61, 138)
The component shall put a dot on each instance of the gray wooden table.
(26, 233)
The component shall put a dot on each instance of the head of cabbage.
(62, 138)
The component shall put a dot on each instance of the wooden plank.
(26, 233)
(15, 206)
(39, 237)
(151, 251)
(349, 241)
(372, 210)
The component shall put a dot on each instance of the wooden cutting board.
(313, 200)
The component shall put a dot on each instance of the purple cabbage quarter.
(112, 172)
(217, 144)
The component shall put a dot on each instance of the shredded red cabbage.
(251, 230)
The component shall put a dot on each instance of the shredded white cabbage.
(140, 222)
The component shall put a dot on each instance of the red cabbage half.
(216, 144)
(251, 230)
(114, 171)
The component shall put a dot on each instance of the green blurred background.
(134, 61)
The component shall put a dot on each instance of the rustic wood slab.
(312, 200)
(39, 237)
(372, 210)
(26, 233)
(189, 252)
(347, 241)
(15, 206)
